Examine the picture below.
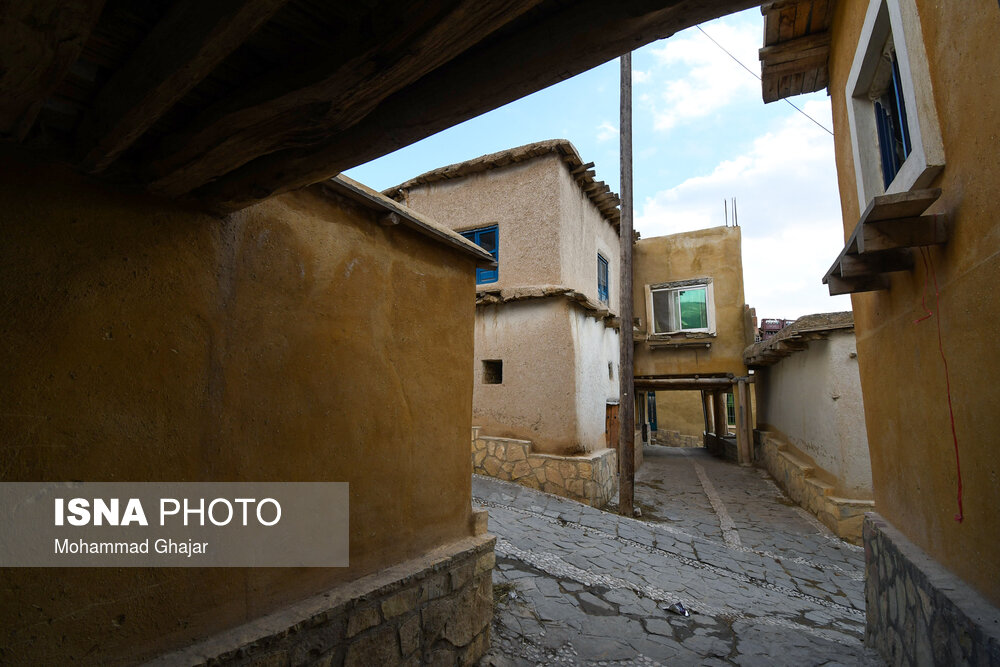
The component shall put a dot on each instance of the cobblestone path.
(764, 582)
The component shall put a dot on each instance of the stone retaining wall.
(588, 478)
(918, 613)
(667, 438)
(797, 477)
(435, 610)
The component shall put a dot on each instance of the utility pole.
(626, 439)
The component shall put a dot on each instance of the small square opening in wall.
(492, 371)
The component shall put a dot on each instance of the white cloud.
(606, 131)
(789, 212)
(639, 76)
(708, 79)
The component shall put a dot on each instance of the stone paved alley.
(765, 583)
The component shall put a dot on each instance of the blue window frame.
(892, 127)
(487, 238)
(602, 279)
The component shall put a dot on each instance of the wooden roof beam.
(853, 285)
(301, 110)
(897, 233)
(39, 41)
(855, 266)
(797, 49)
(181, 50)
(533, 52)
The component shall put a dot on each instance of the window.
(730, 410)
(602, 279)
(682, 307)
(895, 133)
(492, 371)
(890, 114)
(487, 238)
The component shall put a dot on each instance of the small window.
(602, 279)
(730, 410)
(685, 307)
(892, 127)
(492, 371)
(487, 238)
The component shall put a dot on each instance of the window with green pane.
(683, 308)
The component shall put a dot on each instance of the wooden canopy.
(881, 241)
(227, 102)
(796, 47)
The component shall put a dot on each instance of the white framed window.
(895, 133)
(686, 306)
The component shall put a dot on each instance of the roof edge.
(606, 201)
(395, 213)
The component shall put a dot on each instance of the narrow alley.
(764, 583)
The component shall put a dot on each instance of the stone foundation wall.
(724, 448)
(588, 478)
(918, 613)
(666, 438)
(797, 477)
(435, 610)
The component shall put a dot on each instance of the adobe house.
(916, 110)
(173, 311)
(811, 419)
(546, 352)
(690, 331)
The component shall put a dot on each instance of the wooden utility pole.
(626, 441)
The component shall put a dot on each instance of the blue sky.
(701, 135)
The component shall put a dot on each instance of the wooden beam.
(854, 285)
(792, 67)
(532, 53)
(796, 49)
(181, 50)
(902, 233)
(322, 103)
(683, 384)
(582, 168)
(900, 205)
(39, 41)
(854, 266)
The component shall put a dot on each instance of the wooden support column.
(744, 434)
(719, 412)
(704, 412)
(626, 450)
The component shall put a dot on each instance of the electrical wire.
(757, 76)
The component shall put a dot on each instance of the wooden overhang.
(583, 174)
(228, 102)
(796, 47)
(881, 241)
(795, 337)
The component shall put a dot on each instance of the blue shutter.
(602, 279)
(487, 238)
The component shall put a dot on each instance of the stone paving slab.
(575, 585)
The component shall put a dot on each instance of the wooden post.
(744, 437)
(626, 449)
(719, 412)
(704, 411)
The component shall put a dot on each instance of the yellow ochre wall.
(297, 340)
(902, 372)
(714, 253)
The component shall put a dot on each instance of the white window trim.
(707, 283)
(926, 158)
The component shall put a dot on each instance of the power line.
(757, 76)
